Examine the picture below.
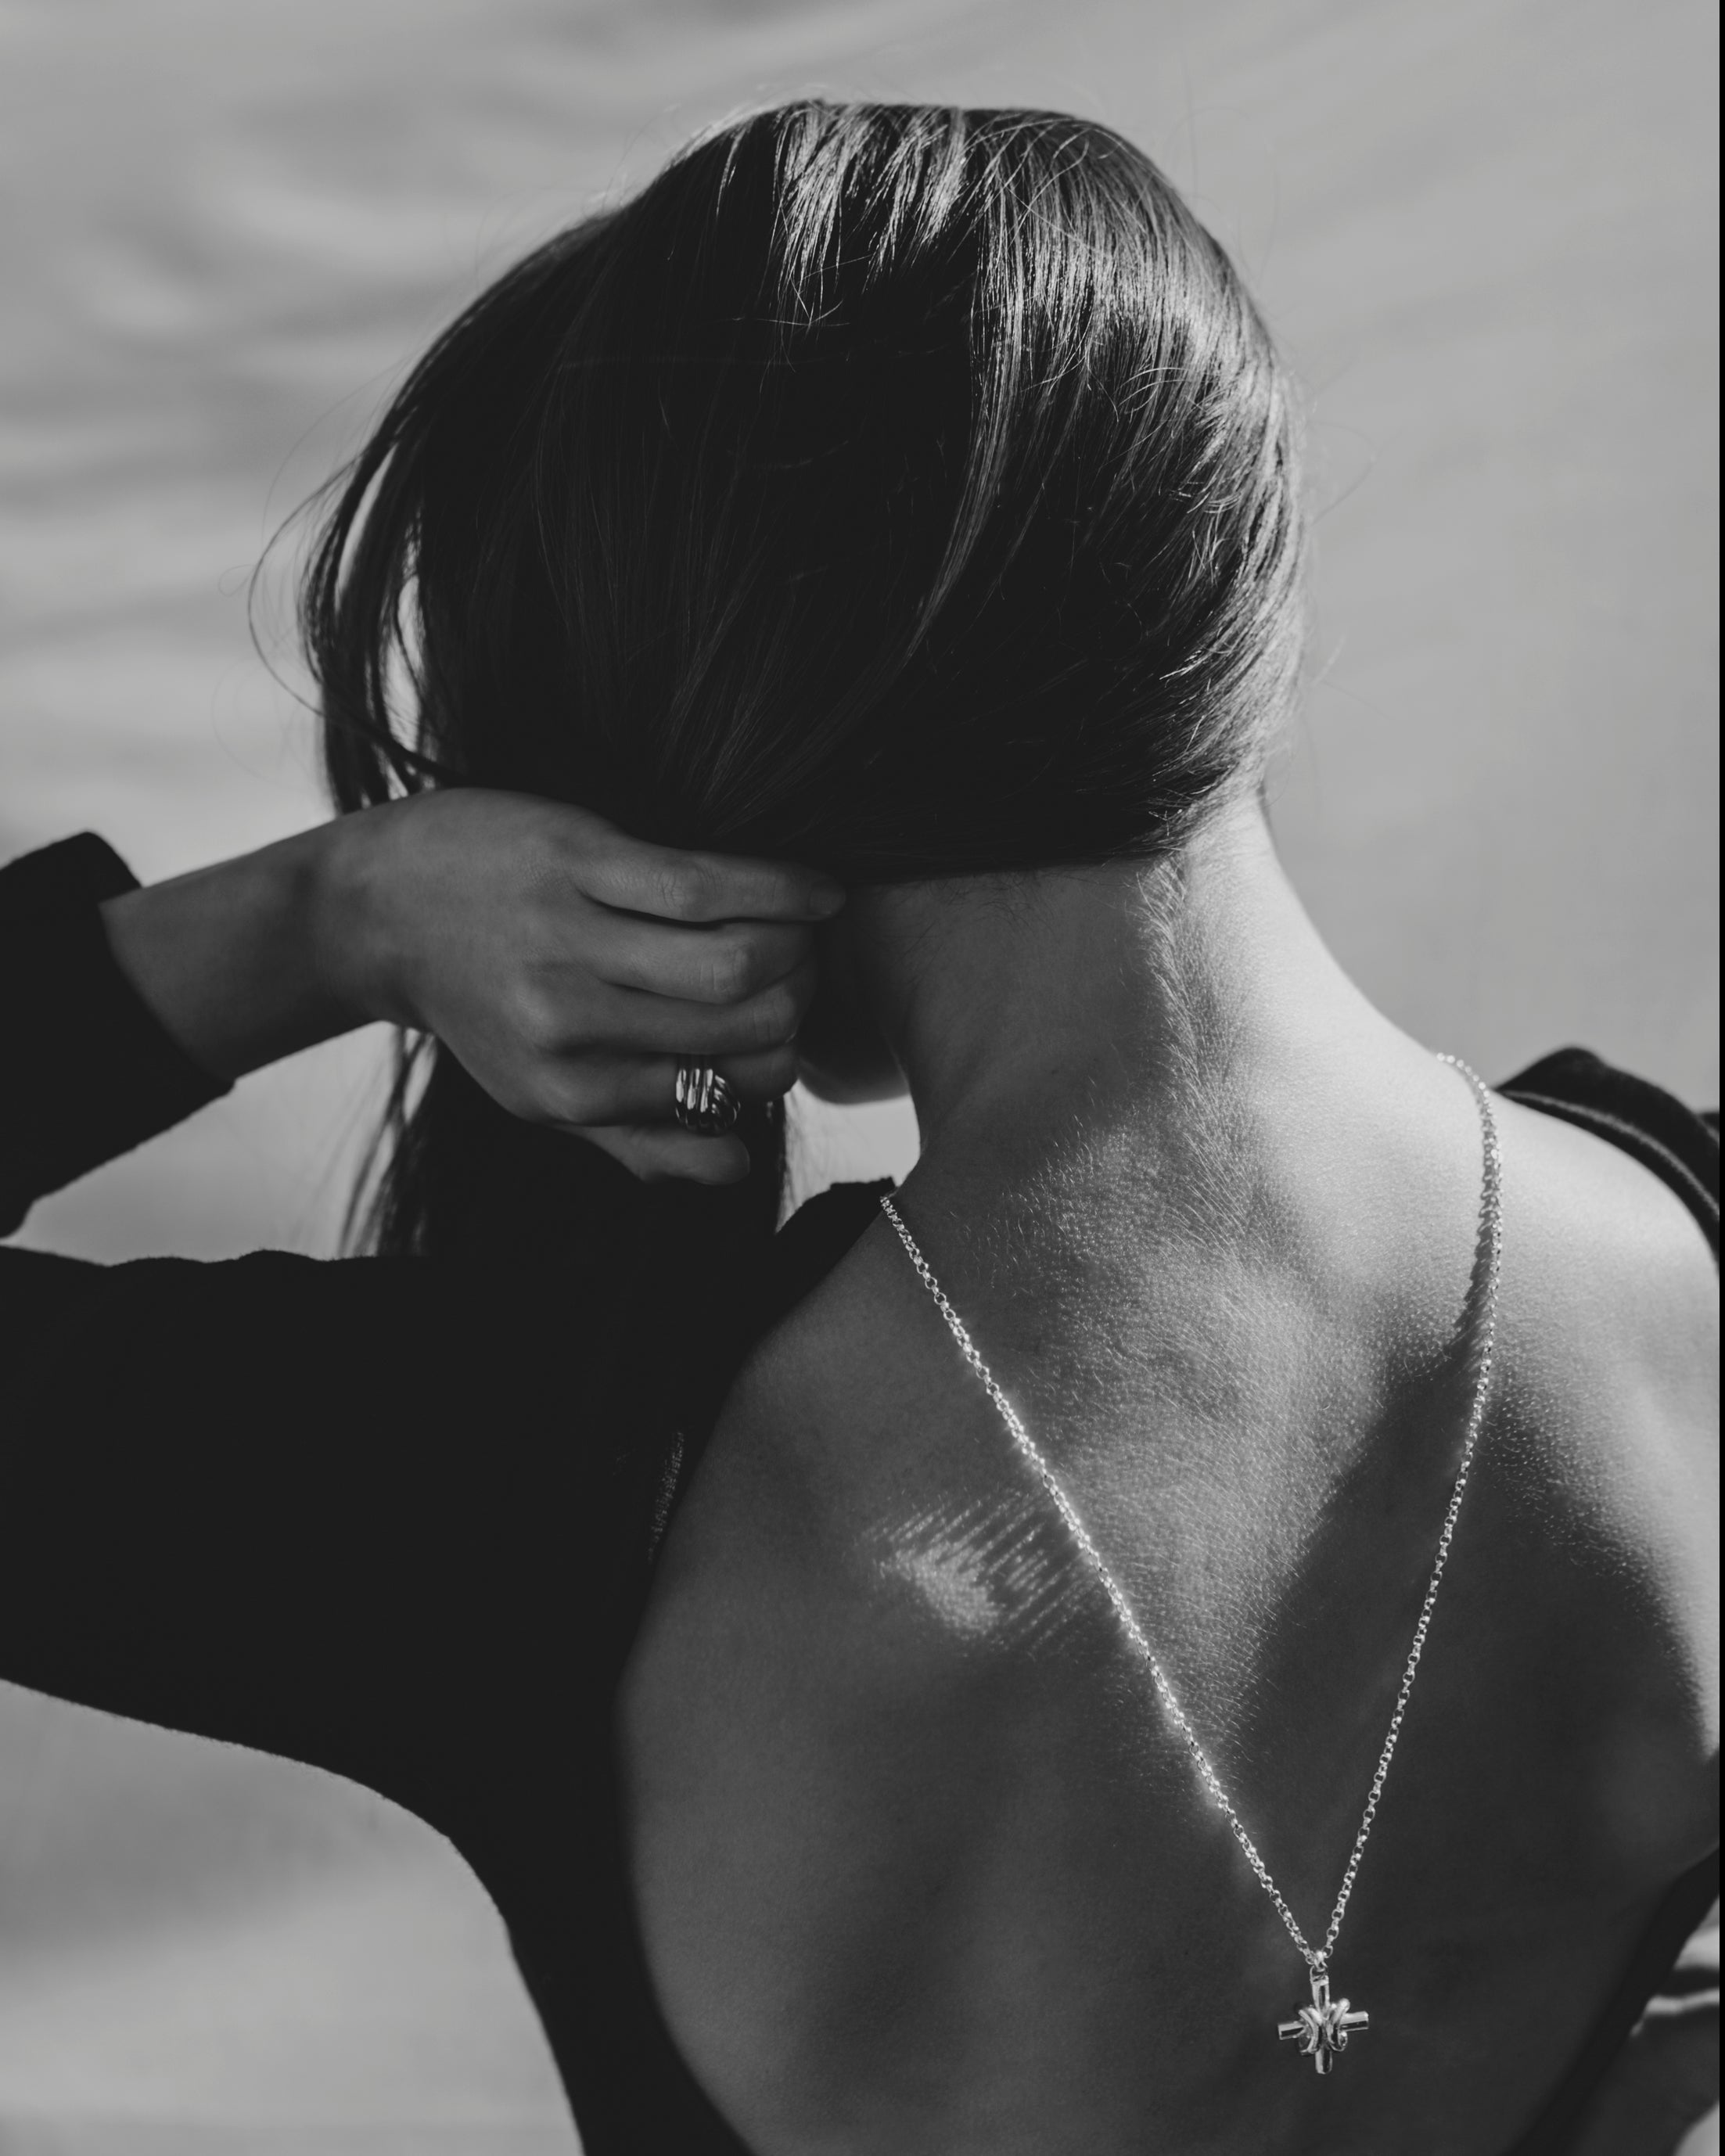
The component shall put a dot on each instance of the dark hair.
(905, 489)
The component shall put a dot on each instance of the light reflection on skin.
(984, 1569)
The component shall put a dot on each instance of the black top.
(396, 1516)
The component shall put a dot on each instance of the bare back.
(919, 1863)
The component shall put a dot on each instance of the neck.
(1057, 1008)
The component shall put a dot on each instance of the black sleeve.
(87, 1071)
(329, 1510)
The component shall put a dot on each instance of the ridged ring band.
(705, 1103)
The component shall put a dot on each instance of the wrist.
(229, 959)
(356, 930)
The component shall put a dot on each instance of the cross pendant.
(1322, 2029)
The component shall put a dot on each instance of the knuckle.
(684, 887)
(536, 1018)
(732, 968)
(774, 1016)
(603, 868)
(524, 1012)
(754, 891)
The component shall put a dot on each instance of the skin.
(918, 1864)
(568, 966)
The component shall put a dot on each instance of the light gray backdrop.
(1483, 232)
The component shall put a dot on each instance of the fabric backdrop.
(1483, 232)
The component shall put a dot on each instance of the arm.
(86, 1071)
(564, 964)
(319, 1508)
(324, 1509)
(241, 963)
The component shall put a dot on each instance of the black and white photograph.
(858, 1076)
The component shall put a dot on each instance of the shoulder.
(1614, 1185)
(1680, 1145)
(1607, 1271)
(832, 1601)
(1609, 1403)
(825, 1438)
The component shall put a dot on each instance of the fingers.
(657, 1149)
(726, 964)
(629, 1018)
(763, 1077)
(594, 1091)
(659, 1156)
(635, 878)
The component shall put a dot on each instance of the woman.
(863, 1761)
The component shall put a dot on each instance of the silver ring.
(705, 1103)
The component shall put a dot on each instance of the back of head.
(905, 489)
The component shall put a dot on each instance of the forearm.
(565, 965)
(242, 963)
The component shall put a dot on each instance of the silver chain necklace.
(1322, 2029)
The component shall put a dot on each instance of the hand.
(567, 967)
